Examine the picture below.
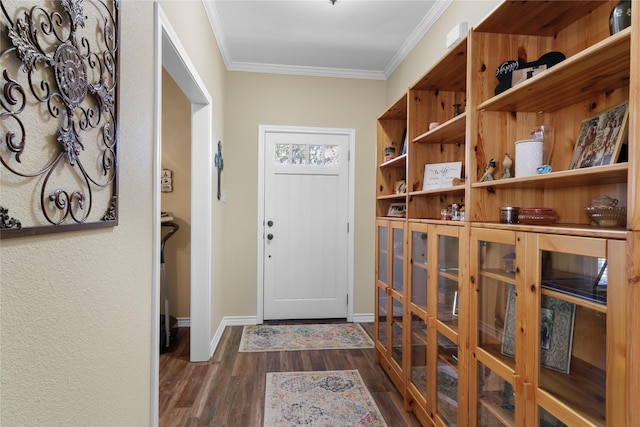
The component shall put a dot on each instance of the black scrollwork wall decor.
(59, 115)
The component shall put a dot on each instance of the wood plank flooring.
(228, 390)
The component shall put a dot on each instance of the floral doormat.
(304, 337)
(326, 398)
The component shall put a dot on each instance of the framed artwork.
(440, 175)
(454, 311)
(600, 138)
(60, 117)
(556, 331)
(403, 143)
(397, 210)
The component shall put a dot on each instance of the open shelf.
(595, 70)
(544, 18)
(596, 175)
(450, 132)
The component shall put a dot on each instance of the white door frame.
(169, 52)
(351, 133)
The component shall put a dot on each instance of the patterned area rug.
(328, 398)
(304, 337)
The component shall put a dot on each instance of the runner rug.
(325, 398)
(304, 337)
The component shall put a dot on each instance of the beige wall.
(254, 99)
(176, 156)
(432, 46)
(76, 306)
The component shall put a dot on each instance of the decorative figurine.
(506, 164)
(489, 170)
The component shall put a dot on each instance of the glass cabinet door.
(398, 257)
(447, 380)
(571, 328)
(381, 314)
(419, 342)
(383, 253)
(417, 292)
(418, 272)
(447, 292)
(396, 331)
(493, 310)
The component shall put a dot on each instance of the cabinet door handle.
(270, 236)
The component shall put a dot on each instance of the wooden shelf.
(398, 111)
(594, 71)
(499, 274)
(596, 175)
(396, 162)
(445, 190)
(544, 18)
(492, 402)
(448, 74)
(398, 197)
(449, 132)
(581, 230)
(583, 389)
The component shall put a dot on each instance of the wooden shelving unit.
(500, 373)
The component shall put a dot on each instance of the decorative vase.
(620, 17)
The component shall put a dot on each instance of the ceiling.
(351, 38)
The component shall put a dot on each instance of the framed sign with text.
(440, 175)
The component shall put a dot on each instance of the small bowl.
(536, 216)
(607, 216)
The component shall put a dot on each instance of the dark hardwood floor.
(228, 390)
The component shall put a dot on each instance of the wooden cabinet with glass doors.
(435, 389)
(496, 338)
(521, 287)
(389, 322)
(547, 350)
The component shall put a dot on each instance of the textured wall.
(76, 307)
(176, 156)
(254, 99)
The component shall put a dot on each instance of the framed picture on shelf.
(403, 143)
(454, 311)
(600, 138)
(556, 331)
(440, 175)
(398, 210)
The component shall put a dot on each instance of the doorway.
(305, 229)
(170, 54)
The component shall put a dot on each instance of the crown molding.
(306, 71)
(425, 25)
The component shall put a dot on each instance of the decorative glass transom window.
(302, 154)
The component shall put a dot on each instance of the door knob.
(270, 236)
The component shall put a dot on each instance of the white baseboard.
(229, 321)
(252, 320)
(363, 318)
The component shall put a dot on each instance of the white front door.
(306, 220)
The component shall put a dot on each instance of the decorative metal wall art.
(59, 115)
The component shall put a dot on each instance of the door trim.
(169, 52)
(351, 134)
